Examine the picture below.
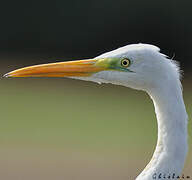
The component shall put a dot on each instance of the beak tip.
(6, 75)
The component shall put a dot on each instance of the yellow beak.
(61, 69)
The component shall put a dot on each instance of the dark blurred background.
(88, 28)
(68, 129)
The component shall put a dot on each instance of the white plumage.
(159, 76)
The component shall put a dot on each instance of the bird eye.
(125, 62)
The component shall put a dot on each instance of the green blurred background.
(67, 129)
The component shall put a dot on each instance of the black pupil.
(124, 63)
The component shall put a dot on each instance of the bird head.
(139, 66)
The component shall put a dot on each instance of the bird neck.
(169, 156)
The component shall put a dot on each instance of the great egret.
(141, 67)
